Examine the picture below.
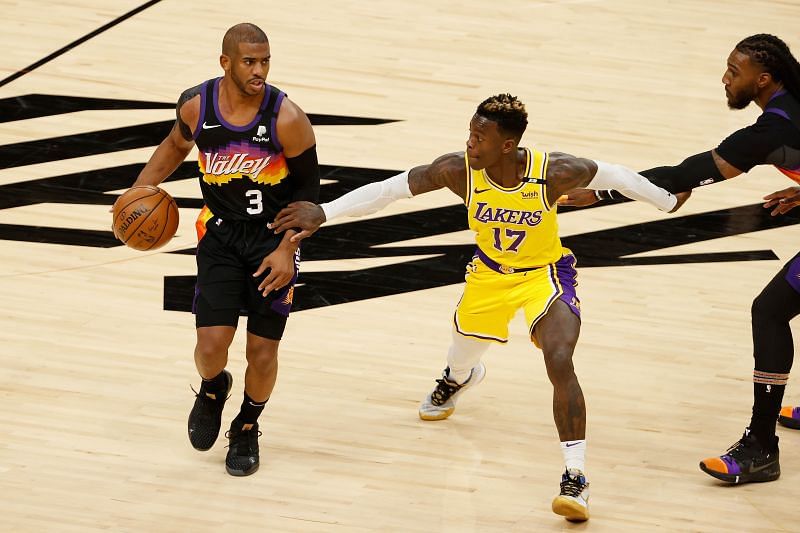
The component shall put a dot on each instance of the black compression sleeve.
(695, 171)
(188, 94)
(304, 173)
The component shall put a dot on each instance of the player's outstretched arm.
(695, 171)
(446, 171)
(566, 173)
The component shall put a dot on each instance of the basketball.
(145, 217)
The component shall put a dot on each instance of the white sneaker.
(441, 402)
(573, 502)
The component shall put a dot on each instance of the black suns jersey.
(774, 139)
(243, 172)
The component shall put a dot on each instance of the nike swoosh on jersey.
(478, 191)
(207, 127)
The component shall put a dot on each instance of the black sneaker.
(205, 419)
(746, 461)
(242, 458)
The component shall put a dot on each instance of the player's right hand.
(305, 216)
(783, 200)
(578, 198)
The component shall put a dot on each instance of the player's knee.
(210, 345)
(766, 309)
(559, 364)
(262, 359)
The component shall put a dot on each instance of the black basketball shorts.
(228, 253)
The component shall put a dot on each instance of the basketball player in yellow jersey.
(510, 193)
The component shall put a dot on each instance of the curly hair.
(774, 55)
(507, 111)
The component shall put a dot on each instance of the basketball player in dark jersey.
(761, 69)
(257, 153)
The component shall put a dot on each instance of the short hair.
(242, 33)
(774, 55)
(507, 111)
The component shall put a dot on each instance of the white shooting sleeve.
(632, 185)
(369, 198)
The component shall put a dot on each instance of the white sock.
(465, 353)
(574, 452)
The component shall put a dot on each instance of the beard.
(741, 99)
(243, 86)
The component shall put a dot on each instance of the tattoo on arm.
(565, 173)
(188, 94)
(446, 171)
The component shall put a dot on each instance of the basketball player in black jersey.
(257, 153)
(761, 69)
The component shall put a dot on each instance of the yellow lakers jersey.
(515, 227)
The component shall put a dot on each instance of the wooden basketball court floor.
(96, 365)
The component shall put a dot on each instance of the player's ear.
(764, 79)
(509, 145)
(225, 62)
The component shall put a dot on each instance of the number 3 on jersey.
(256, 202)
(516, 237)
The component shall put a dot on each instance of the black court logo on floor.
(442, 264)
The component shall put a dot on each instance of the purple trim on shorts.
(731, 464)
(194, 300)
(776, 111)
(227, 124)
(273, 129)
(792, 275)
(202, 118)
(567, 277)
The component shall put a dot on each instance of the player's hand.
(307, 216)
(280, 263)
(682, 197)
(578, 198)
(783, 201)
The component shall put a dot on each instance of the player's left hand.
(281, 269)
(783, 201)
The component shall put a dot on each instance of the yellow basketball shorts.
(491, 298)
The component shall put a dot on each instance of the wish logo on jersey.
(239, 160)
(486, 214)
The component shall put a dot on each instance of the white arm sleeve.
(369, 198)
(632, 185)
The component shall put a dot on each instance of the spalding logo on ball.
(145, 217)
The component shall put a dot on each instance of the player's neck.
(237, 107)
(509, 171)
(767, 94)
